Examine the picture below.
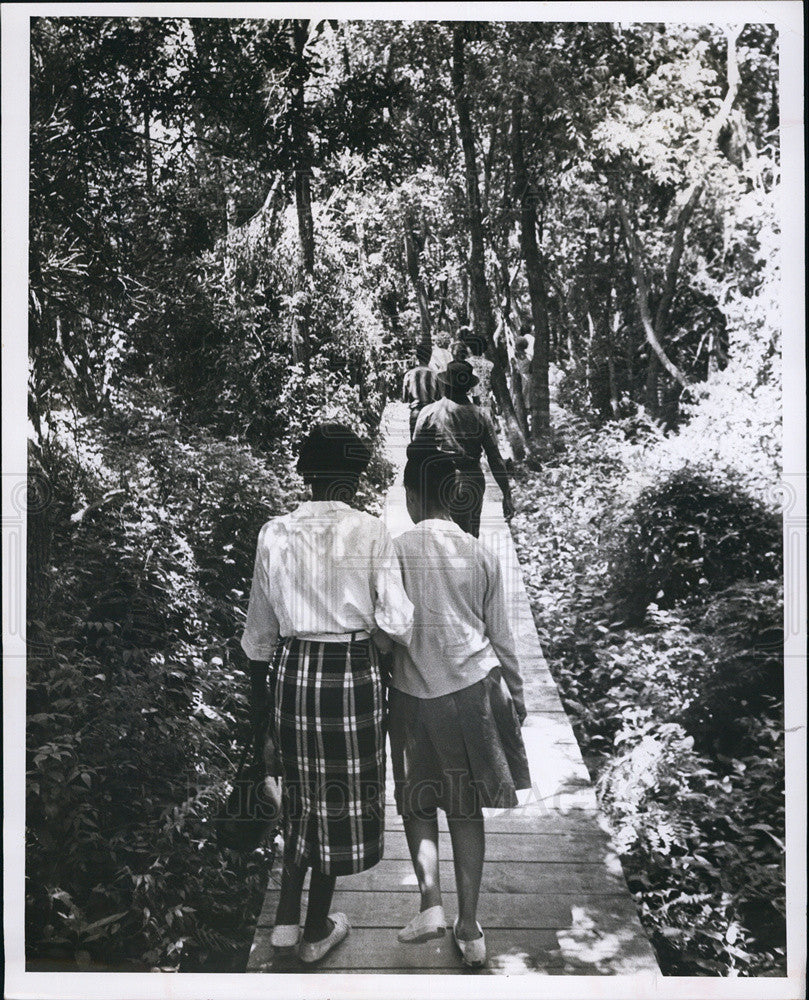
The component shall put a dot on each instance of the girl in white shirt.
(326, 579)
(456, 700)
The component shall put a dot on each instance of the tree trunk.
(651, 399)
(303, 197)
(483, 316)
(655, 328)
(230, 211)
(642, 296)
(414, 273)
(147, 143)
(539, 403)
(590, 361)
(611, 328)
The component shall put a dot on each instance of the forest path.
(553, 899)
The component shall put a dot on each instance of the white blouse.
(324, 569)
(461, 630)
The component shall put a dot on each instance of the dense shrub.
(703, 850)
(679, 711)
(136, 686)
(690, 534)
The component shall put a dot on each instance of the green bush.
(741, 674)
(702, 848)
(690, 535)
(136, 691)
(678, 709)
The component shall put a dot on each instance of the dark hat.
(333, 449)
(458, 376)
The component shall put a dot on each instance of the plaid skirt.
(329, 720)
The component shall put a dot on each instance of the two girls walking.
(332, 597)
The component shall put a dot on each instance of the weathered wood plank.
(550, 848)
(578, 950)
(574, 876)
(505, 877)
(541, 911)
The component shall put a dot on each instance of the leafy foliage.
(679, 713)
(689, 533)
(168, 393)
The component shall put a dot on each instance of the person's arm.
(393, 611)
(259, 697)
(500, 634)
(260, 634)
(405, 385)
(497, 465)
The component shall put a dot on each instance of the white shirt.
(439, 359)
(461, 629)
(325, 568)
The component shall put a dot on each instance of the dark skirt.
(460, 752)
(330, 736)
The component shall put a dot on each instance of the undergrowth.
(670, 667)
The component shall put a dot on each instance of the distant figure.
(523, 366)
(440, 357)
(482, 368)
(464, 431)
(420, 385)
(525, 332)
(459, 351)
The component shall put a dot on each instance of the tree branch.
(642, 295)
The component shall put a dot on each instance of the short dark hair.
(429, 472)
(423, 353)
(476, 344)
(331, 452)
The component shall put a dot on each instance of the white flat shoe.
(314, 951)
(430, 923)
(285, 936)
(473, 953)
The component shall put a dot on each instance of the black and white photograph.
(404, 500)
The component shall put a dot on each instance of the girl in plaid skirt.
(327, 590)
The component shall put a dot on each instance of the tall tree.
(525, 195)
(483, 315)
(301, 143)
(655, 324)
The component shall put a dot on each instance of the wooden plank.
(524, 911)
(574, 951)
(550, 848)
(527, 821)
(505, 877)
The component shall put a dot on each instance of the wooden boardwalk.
(553, 898)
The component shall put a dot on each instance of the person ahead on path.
(482, 368)
(455, 702)
(441, 355)
(459, 351)
(326, 580)
(420, 385)
(463, 431)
